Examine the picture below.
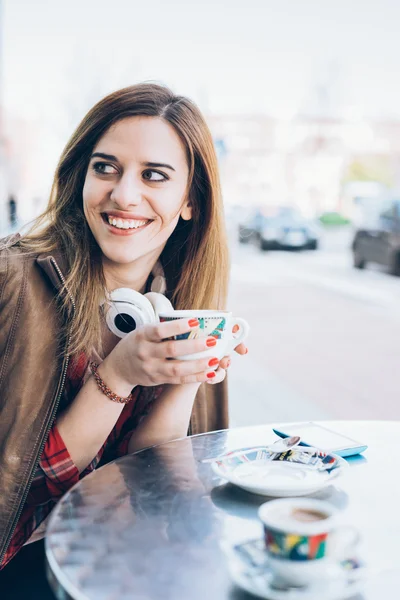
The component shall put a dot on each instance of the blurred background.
(303, 100)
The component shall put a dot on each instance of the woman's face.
(136, 189)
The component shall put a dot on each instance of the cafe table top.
(149, 526)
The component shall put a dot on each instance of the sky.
(230, 56)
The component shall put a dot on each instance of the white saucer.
(249, 569)
(302, 471)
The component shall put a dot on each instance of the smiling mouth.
(125, 224)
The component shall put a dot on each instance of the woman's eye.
(104, 168)
(150, 175)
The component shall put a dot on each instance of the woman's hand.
(143, 357)
(224, 364)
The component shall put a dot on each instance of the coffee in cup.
(307, 515)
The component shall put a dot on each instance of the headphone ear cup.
(128, 310)
(160, 303)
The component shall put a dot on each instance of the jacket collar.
(49, 263)
(52, 263)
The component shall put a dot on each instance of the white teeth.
(125, 223)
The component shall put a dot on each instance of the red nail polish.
(213, 362)
(211, 342)
(228, 364)
(193, 323)
(211, 375)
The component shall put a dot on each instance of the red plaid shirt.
(56, 473)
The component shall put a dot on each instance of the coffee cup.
(303, 539)
(227, 330)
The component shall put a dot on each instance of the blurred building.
(19, 172)
(3, 196)
(313, 163)
(5, 182)
(303, 161)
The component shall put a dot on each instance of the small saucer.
(298, 472)
(249, 568)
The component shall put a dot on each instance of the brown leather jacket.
(33, 365)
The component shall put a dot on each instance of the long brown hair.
(195, 258)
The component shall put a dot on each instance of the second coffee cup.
(303, 539)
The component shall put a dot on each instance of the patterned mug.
(303, 540)
(227, 330)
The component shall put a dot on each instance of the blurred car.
(378, 241)
(281, 227)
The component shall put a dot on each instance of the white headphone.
(127, 310)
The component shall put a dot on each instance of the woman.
(135, 200)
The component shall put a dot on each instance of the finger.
(201, 377)
(168, 329)
(174, 348)
(225, 362)
(241, 349)
(178, 369)
(220, 375)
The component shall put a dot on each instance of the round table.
(149, 526)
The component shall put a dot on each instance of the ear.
(186, 212)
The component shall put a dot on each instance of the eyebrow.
(105, 156)
(155, 164)
(145, 164)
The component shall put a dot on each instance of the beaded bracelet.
(105, 389)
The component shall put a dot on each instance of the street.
(324, 340)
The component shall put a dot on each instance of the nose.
(127, 191)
